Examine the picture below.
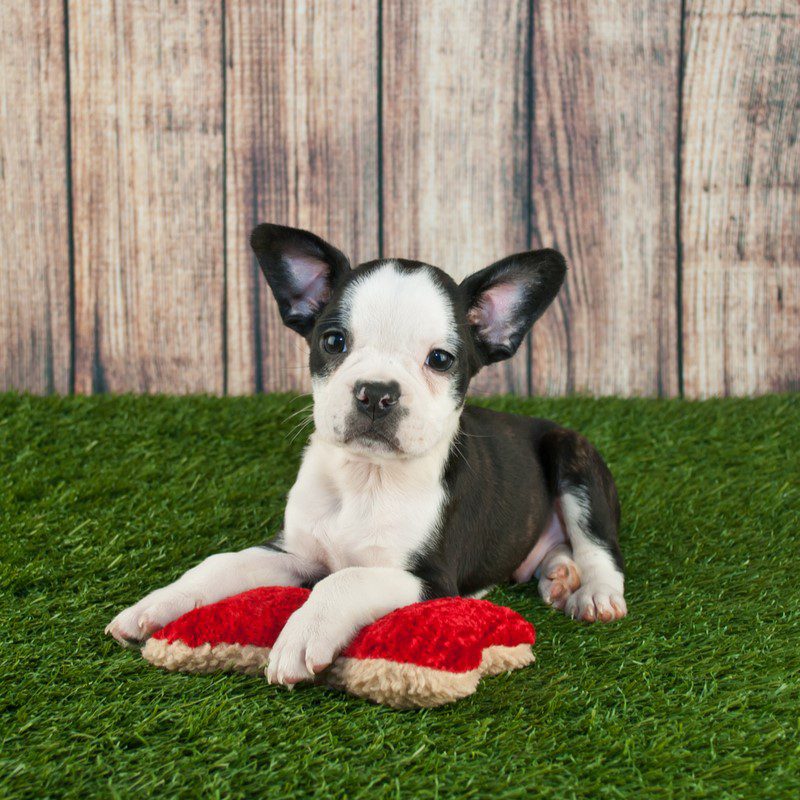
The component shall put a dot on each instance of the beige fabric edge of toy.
(383, 681)
(411, 686)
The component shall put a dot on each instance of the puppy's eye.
(334, 342)
(440, 360)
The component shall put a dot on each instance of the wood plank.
(34, 219)
(455, 141)
(741, 197)
(604, 193)
(301, 88)
(147, 151)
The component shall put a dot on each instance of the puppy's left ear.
(301, 269)
(504, 300)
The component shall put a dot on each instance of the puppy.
(405, 493)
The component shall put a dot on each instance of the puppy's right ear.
(301, 269)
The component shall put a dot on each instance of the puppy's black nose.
(376, 399)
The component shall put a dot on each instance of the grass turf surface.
(694, 694)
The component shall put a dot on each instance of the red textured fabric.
(254, 617)
(449, 634)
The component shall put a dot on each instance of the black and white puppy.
(405, 493)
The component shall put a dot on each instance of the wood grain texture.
(741, 197)
(147, 154)
(302, 123)
(604, 193)
(455, 141)
(35, 344)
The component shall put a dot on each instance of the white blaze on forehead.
(392, 309)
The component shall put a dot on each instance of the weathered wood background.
(657, 144)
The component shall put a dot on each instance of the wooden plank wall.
(740, 190)
(656, 144)
(147, 188)
(605, 134)
(35, 281)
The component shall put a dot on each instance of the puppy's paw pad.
(558, 582)
(565, 572)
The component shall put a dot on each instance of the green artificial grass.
(694, 694)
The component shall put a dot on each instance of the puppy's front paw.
(305, 647)
(596, 602)
(135, 624)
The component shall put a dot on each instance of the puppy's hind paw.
(558, 582)
(596, 603)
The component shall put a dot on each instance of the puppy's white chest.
(356, 536)
(346, 514)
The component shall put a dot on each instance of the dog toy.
(423, 655)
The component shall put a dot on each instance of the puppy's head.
(395, 343)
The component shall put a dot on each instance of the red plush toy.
(426, 654)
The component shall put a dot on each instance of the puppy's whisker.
(302, 422)
(296, 413)
(306, 397)
(460, 452)
(295, 437)
(300, 427)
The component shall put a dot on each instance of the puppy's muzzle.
(376, 399)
